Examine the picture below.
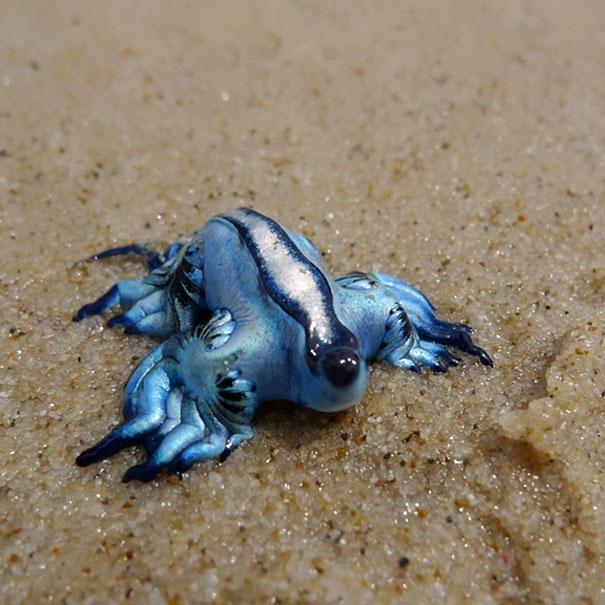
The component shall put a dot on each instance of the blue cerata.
(250, 314)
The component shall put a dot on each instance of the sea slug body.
(250, 314)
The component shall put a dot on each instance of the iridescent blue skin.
(250, 314)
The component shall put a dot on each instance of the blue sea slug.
(250, 314)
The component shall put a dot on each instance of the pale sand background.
(458, 144)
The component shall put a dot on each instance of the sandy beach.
(459, 145)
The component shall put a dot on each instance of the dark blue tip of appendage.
(485, 359)
(81, 314)
(108, 300)
(454, 335)
(154, 259)
(118, 320)
(123, 322)
(226, 453)
(141, 472)
(90, 456)
(472, 349)
(180, 468)
(451, 359)
(108, 446)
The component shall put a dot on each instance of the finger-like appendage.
(429, 327)
(153, 258)
(405, 363)
(137, 377)
(453, 335)
(198, 452)
(171, 446)
(153, 303)
(466, 344)
(124, 292)
(147, 316)
(413, 300)
(152, 412)
(156, 324)
(174, 403)
(420, 355)
(441, 352)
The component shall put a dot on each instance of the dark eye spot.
(340, 366)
